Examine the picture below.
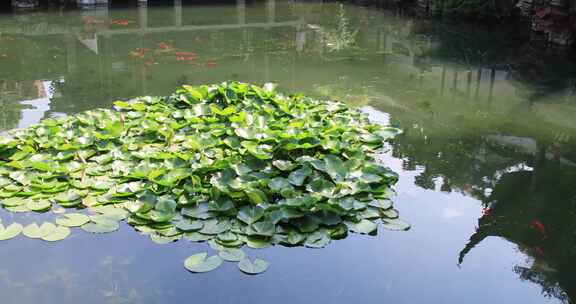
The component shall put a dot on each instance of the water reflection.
(488, 114)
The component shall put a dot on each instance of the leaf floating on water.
(58, 234)
(200, 262)
(364, 227)
(232, 254)
(395, 224)
(34, 231)
(72, 220)
(12, 231)
(40, 205)
(256, 267)
(100, 224)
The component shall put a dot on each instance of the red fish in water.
(210, 64)
(184, 58)
(538, 250)
(163, 45)
(122, 22)
(486, 211)
(186, 54)
(538, 226)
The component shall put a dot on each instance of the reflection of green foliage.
(468, 7)
(354, 94)
(340, 38)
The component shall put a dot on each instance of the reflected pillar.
(270, 11)
(143, 14)
(241, 10)
(178, 12)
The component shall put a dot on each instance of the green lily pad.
(364, 227)
(58, 234)
(34, 231)
(10, 232)
(232, 254)
(40, 205)
(100, 224)
(395, 224)
(200, 262)
(252, 267)
(72, 220)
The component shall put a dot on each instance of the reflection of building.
(92, 48)
(16, 96)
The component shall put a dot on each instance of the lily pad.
(58, 234)
(40, 205)
(395, 224)
(12, 231)
(34, 231)
(252, 267)
(232, 254)
(200, 262)
(72, 220)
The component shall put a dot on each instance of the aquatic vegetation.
(234, 164)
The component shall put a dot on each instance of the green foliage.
(235, 164)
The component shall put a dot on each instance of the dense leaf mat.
(234, 163)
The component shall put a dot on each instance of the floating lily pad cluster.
(234, 164)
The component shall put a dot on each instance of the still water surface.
(487, 161)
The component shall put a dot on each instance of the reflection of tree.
(535, 210)
(467, 163)
(337, 37)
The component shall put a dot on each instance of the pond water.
(487, 161)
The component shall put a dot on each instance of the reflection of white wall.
(39, 106)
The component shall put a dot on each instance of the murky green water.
(487, 161)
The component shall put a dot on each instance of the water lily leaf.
(100, 224)
(232, 254)
(34, 231)
(188, 225)
(58, 234)
(317, 239)
(258, 242)
(72, 220)
(161, 239)
(252, 267)
(364, 227)
(40, 205)
(111, 212)
(249, 214)
(200, 262)
(263, 228)
(197, 237)
(14, 201)
(10, 232)
(395, 224)
(214, 226)
(381, 203)
(67, 197)
(256, 196)
(297, 177)
(284, 165)
(390, 213)
(335, 167)
(18, 209)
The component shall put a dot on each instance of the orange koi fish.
(538, 226)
